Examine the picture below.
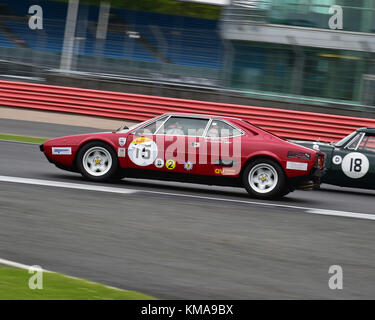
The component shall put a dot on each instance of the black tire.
(278, 189)
(88, 173)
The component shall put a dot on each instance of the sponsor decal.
(219, 171)
(296, 166)
(143, 151)
(121, 141)
(121, 152)
(170, 164)
(159, 163)
(337, 160)
(62, 150)
(188, 165)
(355, 165)
(225, 171)
(141, 140)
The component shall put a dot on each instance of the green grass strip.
(11, 137)
(14, 285)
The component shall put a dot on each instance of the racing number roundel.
(355, 165)
(170, 164)
(143, 151)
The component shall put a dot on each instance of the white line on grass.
(17, 265)
(318, 211)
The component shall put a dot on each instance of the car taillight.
(299, 155)
(320, 161)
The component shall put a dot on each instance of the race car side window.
(344, 141)
(221, 129)
(151, 127)
(367, 144)
(355, 142)
(181, 126)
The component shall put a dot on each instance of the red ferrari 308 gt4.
(206, 149)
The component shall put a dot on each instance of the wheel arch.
(257, 156)
(83, 143)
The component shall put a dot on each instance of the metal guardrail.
(285, 123)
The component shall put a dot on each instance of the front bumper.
(58, 165)
(41, 148)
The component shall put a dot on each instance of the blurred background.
(174, 240)
(278, 53)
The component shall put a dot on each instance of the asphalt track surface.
(182, 241)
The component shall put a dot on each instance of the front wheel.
(264, 179)
(97, 161)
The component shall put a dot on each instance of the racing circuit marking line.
(342, 214)
(22, 142)
(18, 265)
(67, 185)
(317, 211)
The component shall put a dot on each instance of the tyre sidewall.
(108, 175)
(278, 191)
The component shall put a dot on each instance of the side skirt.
(182, 177)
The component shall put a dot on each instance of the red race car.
(204, 149)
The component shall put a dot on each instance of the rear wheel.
(97, 161)
(265, 179)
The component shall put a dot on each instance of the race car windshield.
(346, 139)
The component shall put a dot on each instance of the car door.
(223, 141)
(181, 137)
(366, 163)
(353, 163)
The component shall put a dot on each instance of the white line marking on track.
(342, 214)
(26, 267)
(306, 209)
(68, 185)
(22, 142)
(318, 211)
(17, 265)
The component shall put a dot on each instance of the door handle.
(195, 144)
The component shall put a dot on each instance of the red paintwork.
(255, 142)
